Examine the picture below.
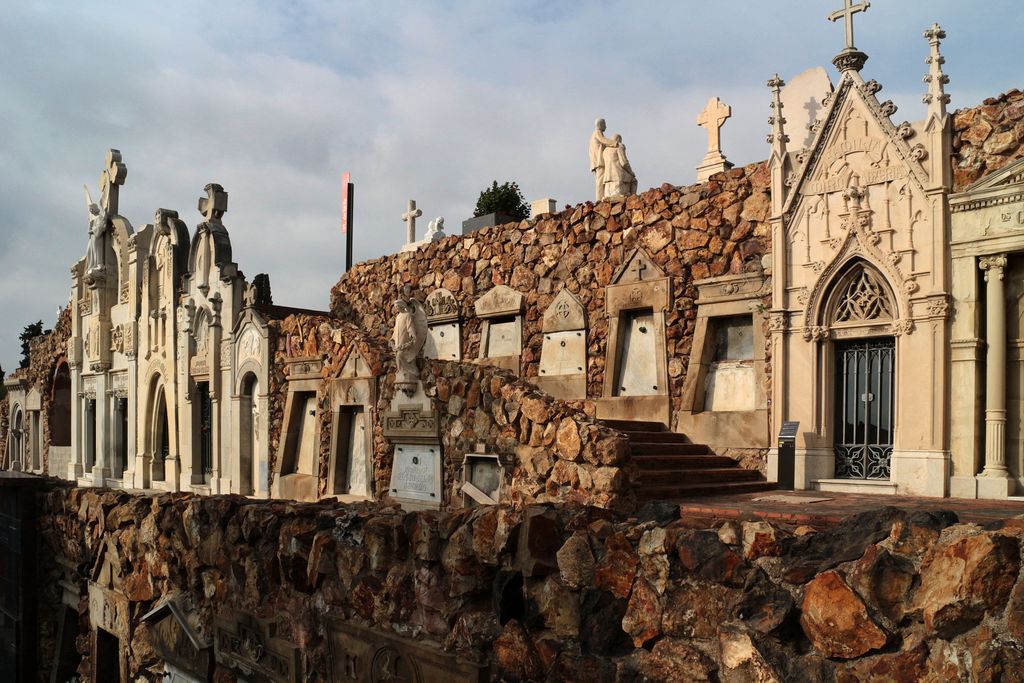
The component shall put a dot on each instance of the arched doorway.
(248, 437)
(60, 408)
(159, 435)
(18, 440)
(859, 310)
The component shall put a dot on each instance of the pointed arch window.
(862, 297)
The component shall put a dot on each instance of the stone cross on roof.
(713, 118)
(410, 217)
(846, 13)
(215, 204)
(112, 177)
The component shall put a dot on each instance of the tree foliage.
(505, 198)
(31, 331)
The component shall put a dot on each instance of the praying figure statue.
(98, 223)
(408, 339)
(435, 230)
(612, 172)
(619, 178)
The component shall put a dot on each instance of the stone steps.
(669, 467)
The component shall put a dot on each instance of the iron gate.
(865, 411)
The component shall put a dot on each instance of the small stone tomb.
(444, 340)
(482, 477)
(563, 353)
(252, 647)
(353, 397)
(416, 471)
(110, 618)
(298, 453)
(501, 332)
(636, 374)
(369, 656)
(176, 634)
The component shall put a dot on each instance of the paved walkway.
(823, 509)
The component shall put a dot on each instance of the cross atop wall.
(713, 118)
(410, 217)
(111, 179)
(215, 204)
(846, 13)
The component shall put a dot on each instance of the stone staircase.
(670, 467)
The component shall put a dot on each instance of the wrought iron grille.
(865, 410)
(205, 427)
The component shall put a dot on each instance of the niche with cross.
(636, 375)
(563, 353)
(353, 397)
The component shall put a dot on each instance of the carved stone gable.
(638, 268)
(441, 306)
(355, 366)
(176, 634)
(500, 300)
(565, 313)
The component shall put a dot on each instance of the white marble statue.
(619, 178)
(435, 230)
(408, 339)
(598, 144)
(98, 224)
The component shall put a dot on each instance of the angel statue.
(407, 342)
(94, 259)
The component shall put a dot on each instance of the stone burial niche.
(177, 635)
(636, 374)
(353, 397)
(109, 617)
(298, 456)
(444, 336)
(563, 353)
(725, 396)
(501, 331)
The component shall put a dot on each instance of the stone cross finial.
(936, 99)
(215, 204)
(111, 179)
(410, 217)
(713, 118)
(846, 13)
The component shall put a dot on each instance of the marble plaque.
(730, 386)
(108, 610)
(249, 645)
(503, 339)
(638, 368)
(363, 655)
(443, 342)
(416, 473)
(563, 353)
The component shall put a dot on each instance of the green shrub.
(505, 198)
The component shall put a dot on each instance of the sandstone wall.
(692, 232)
(562, 593)
(987, 137)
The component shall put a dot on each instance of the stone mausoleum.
(488, 406)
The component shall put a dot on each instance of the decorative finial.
(936, 99)
(850, 59)
(777, 138)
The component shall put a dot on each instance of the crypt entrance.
(864, 408)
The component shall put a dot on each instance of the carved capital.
(903, 326)
(993, 265)
(816, 333)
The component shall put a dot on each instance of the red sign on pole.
(346, 179)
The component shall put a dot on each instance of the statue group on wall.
(613, 176)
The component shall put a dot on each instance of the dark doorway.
(108, 657)
(60, 416)
(205, 405)
(865, 411)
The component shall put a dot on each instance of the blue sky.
(423, 100)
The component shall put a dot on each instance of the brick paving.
(809, 508)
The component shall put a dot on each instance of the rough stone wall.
(45, 353)
(553, 451)
(987, 138)
(693, 232)
(564, 592)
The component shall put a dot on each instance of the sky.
(417, 100)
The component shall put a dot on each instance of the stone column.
(995, 372)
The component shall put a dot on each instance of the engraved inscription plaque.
(416, 473)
